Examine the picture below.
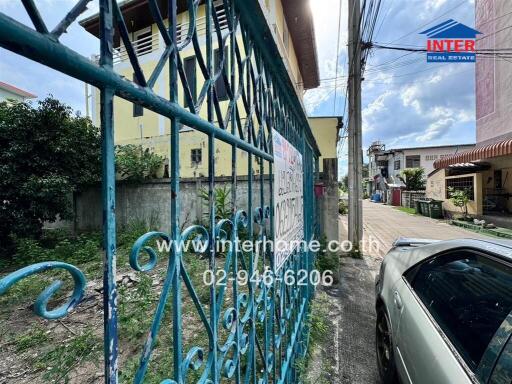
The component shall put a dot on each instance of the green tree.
(460, 198)
(46, 154)
(134, 163)
(413, 178)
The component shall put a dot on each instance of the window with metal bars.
(196, 156)
(461, 184)
(413, 161)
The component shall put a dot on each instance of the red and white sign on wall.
(288, 199)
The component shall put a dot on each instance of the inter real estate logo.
(451, 42)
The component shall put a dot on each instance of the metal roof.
(16, 90)
(502, 148)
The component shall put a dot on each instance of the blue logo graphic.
(451, 42)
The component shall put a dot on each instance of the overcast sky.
(406, 102)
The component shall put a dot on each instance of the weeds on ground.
(59, 361)
(318, 324)
(410, 211)
(34, 336)
(54, 245)
(327, 260)
(134, 306)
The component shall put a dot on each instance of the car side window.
(469, 295)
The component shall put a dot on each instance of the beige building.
(291, 24)
(325, 129)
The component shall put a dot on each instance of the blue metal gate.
(259, 336)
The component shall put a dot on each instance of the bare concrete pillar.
(329, 201)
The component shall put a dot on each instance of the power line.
(424, 25)
(385, 15)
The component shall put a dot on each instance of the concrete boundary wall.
(150, 201)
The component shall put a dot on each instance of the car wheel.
(384, 348)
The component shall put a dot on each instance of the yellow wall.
(152, 130)
(325, 133)
(436, 189)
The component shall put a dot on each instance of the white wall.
(5, 95)
(427, 157)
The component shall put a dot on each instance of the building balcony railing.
(141, 47)
(151, 43)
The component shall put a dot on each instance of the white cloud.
(435, 130)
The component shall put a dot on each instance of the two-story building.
(290, 21)
(385, 165)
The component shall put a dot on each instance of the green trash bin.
(424, 207)
(435, 209)
(418, 207)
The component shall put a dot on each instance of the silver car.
(444, 312)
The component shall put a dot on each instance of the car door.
(451, 306)
(497, 359)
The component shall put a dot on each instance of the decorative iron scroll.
(261, 334)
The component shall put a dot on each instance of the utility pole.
(355, 156)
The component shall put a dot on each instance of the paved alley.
(350, 353)
(386, 223)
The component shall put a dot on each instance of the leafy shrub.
(222, 197)
(46, 154)
(460, 198)
(343, 207)
(413, 178)
(128, 234)
(134, 163)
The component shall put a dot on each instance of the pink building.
(486, 171)
(493, 75)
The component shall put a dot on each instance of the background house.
(486, 171)
(385, 166)
(292, 25)
(10, 92)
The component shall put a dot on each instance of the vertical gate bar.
(175, 190)
(211, 185)
(272, 310)
(261, 136)
(305, 199)
(251, 370)
(272, 266)
(108, 198)
(234, 148)
(252, 286)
